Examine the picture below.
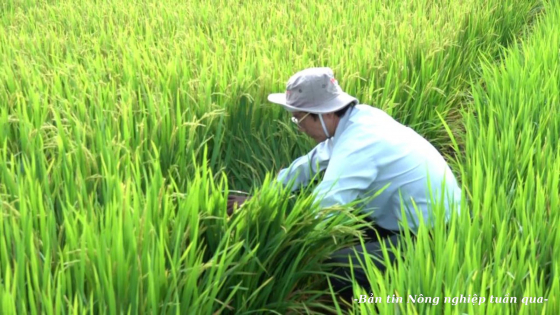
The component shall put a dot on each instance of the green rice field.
(125, 124)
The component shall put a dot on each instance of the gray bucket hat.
(313, 90)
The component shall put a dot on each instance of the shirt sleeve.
(351, 172)
(304, 168)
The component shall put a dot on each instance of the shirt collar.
(342, 124)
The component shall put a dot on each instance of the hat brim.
(280, 99)
(342, 100)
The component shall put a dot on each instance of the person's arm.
(304, 168)
(351, 172)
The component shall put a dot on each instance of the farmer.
(363, 151)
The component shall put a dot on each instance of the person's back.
(402, 160)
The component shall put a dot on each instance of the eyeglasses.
(298, 121)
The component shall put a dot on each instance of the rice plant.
(125, 124)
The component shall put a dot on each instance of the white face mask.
(323, 124)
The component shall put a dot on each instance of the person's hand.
(235, 201)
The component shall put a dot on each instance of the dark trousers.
(343, 288)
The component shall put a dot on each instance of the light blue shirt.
(369, 152)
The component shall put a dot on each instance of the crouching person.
(364, 152)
